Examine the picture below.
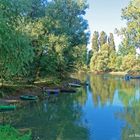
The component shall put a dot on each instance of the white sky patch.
(105, 15)
(118, 40)
(138, 50)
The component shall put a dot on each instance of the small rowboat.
(28, 97)
(74, 85)
(7, 108)
(128, 77)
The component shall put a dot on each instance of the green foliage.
(131, 14)
(102, 38)
(125, 50)
(100, 60)
(15, 49)
(9, 133)
(111, 41)
(95, 42)
(118, 63)
(129, 63)
(61, 39)
(112, 61)
(125, 59)
(103, 57)
(89, 55)
(40, 38)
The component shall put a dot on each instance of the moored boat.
(28, 97)
(7, 108)
(128, 77)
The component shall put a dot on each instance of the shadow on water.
(107, 109)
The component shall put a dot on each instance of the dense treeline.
(103, 55)
(40, 38)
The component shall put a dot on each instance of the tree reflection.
(61, 118)
(131, 115)
(127, 91)
(54, 119)
(103, 89)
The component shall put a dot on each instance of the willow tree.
(15, 49)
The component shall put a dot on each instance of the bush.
(9, 133)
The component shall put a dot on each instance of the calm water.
(107, 109)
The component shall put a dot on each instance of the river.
(106, 109)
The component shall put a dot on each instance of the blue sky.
(106, 15)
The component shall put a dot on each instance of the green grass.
(9, 133)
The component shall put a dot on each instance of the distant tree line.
(103, 57)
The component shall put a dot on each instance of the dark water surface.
(107, 109)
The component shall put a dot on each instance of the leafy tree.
(100, 60)
(89, 56)
(102, 38)
(42, 38)
(118, 63)
(58, 37)
(105, 58)
(64, 19)
(15, 49)
(111, 41)
(95, 42)
(131, 35)
(129, 62)
(112, 61)
(82, 60)
(131, 14)
(125, 50)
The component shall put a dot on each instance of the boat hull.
(7, 108)
(28, 97)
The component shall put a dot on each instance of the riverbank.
(10, 94)
(118, 73)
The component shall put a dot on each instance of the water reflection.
(131, 115)
(107, 109)
(102, 89)
(105, 88)
(55, 119)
